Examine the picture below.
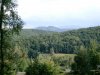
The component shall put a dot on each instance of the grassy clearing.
(64, 61)
(48, 57)
(57, 55)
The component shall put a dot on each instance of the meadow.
(63, 61)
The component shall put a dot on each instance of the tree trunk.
(1, 40)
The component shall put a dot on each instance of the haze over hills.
(52, 28)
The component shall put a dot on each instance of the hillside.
(62, 42)
(34, 32)
(52, 28)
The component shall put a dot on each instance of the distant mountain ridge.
(52, 28)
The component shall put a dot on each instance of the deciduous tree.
(10, 23)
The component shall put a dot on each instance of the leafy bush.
(38, 68)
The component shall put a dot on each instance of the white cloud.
(46, 10)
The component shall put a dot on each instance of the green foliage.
(38, 68)
(33, 54)
(86, 60)
(22, 64)
(64, 61)
(83, 42)
(10, 23)
(65, 42)
(82, 61)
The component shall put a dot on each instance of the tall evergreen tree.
(10, 23)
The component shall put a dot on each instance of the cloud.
(46, 11)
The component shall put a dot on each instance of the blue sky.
(60, 13)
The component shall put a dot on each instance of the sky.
(59, 13)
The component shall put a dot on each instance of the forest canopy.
(59, 42)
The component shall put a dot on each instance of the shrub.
(38, 68)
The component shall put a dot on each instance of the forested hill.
(52, 28)
(34, 32)
(62, 42)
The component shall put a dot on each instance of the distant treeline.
(62, 42)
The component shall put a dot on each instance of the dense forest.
(68, 42)
(39, 52)
(70, 51)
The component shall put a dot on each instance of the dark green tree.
(81, 65)
(87, 59)
(10, 23)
